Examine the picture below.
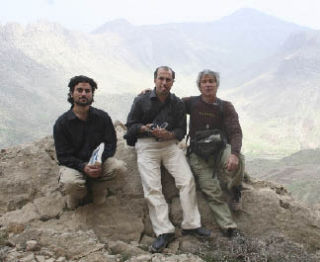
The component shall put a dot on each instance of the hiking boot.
(161, 242)
(231, 232)
(200, 232)
(235, 203)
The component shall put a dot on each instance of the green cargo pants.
(211, 186)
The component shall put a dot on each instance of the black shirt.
(147, 108)
(75, 139)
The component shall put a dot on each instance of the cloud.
(50, 2)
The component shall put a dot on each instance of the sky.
(87, 15)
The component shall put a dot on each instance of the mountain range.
(269, 70)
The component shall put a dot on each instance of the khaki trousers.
(74, 183)
(150, 155)
(210, 186)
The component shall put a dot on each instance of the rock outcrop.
(36, 226)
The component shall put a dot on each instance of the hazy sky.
(86, 15)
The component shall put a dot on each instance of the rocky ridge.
(36, 226)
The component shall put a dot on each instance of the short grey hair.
(208, 72)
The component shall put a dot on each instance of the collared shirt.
(147, 108)
(76, 139)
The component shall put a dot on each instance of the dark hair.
(80, 79)
(167, 68)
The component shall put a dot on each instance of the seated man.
(77, 133)
(157, 119)
(207, 112)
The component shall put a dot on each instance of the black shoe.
(200, 232)
(161, 242)
(235, 204)
(232, 232)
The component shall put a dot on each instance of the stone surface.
(33, 208)
(32, 245)
(40, 259)
(126, 250)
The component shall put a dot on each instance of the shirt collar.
(153, 95)
(71, 115)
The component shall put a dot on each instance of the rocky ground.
(36, 226)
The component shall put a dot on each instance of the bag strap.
(191, 105)
(195, 99)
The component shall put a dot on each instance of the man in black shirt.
(157, 119)
(77, 133)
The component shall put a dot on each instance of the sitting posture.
(214, 125)
(77, 133)
(157, 120)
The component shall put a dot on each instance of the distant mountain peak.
(113, 25)
(255, 18)
(248, 11)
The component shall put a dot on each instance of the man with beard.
(157, 119)
(77, 133)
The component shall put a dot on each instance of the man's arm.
(234, 134)
(109, 139)
(180, 126)
(64, 150)
(187, 104)
(134, 124)
(233, 128)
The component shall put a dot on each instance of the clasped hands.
(158, 132)
(93, 171)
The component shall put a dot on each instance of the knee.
(113, 167)
(74, 188)
(188, 182)
(155, 197)
(211, 189)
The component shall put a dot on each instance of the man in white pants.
(77, 133)
(157, 119)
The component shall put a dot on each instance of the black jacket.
(75, 139)
(147, 108)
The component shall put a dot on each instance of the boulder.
(33, 208)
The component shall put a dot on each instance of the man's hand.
(232, 163)
(93, 171)
(162, 134)
(145, 128)
(145, 91)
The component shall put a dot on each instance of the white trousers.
(150, 155)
